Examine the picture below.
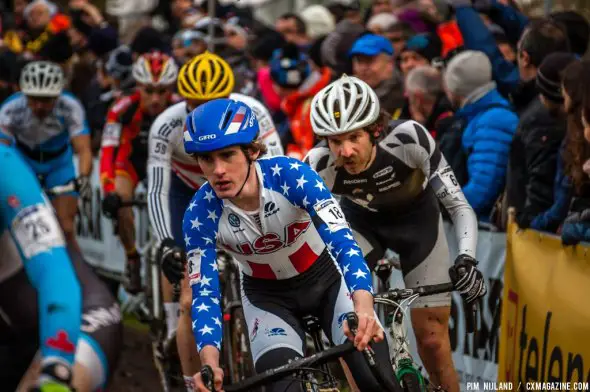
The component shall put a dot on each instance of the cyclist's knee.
(431, 328)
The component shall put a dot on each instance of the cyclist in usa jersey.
(276, 217)
(47, 126)
(49, 298)
(174, 176)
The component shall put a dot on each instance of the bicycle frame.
(399, 349)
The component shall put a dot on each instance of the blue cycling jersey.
(52, 133)
(28, 222)
(298, 220)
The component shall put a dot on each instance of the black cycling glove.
(468, 280)
(111, 204)
(173, 259)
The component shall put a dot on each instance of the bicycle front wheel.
(411, 383)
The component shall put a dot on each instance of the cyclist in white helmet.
(392, 177)
(47, 125)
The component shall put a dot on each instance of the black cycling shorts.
(274, 312)
(415, 234)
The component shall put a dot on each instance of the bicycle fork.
(399, 351)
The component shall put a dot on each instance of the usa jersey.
(167, 155)
(30, 236)
(297, 221)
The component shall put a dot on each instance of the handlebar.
(401, 294)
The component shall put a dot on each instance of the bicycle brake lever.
(207, 378)
(353, 322)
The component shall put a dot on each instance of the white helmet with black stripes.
(42, 79)
(344, 105)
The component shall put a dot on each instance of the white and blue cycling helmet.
(218, 124)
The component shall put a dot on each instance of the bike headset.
(219, 124)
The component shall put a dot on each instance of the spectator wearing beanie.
(535, 148)
(319, 21)
(296, 83)
(488, 128)
(372, 62)
(421, 49)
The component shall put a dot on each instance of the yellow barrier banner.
(545, 327)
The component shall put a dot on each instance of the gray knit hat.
(466, 72)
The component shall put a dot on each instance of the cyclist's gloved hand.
(173, 260)
(84, 188)
(111, 204)
(54, 377)
(468, 280)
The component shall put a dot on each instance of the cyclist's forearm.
(209, 356)
(82, 148)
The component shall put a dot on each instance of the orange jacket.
(450, 35)
(297, 108)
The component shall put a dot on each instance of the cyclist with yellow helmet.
(174, 177)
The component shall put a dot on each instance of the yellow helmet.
(206, 76)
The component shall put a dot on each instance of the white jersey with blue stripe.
(297, 221)
(66, 121)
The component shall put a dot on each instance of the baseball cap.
(371, 45)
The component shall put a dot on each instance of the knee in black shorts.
(362, 373)
(274, 358)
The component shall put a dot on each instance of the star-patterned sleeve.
(304, 188)
(199, 226)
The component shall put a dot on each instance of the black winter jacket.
(533, 161)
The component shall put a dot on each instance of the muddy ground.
(136, 371)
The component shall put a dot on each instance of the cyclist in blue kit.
(276, 217)
(50, 299)
(47, 125)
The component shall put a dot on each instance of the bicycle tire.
(411, 383)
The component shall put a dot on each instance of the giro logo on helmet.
(207, 137)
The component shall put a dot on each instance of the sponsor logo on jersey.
(13, 201)
(443, 194)
(383, 172)
(254, 332)
(270, 209)
(341, 319)
(233, 220)
(61, 342)
(271, 242)
(390, 186)
(99, 318)
(207, 137)
(355, 181)
(276, 332)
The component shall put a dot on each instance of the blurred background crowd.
(504, 91)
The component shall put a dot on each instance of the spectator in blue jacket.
(490, 127)
(536, 40)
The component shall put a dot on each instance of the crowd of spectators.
(506, 97)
